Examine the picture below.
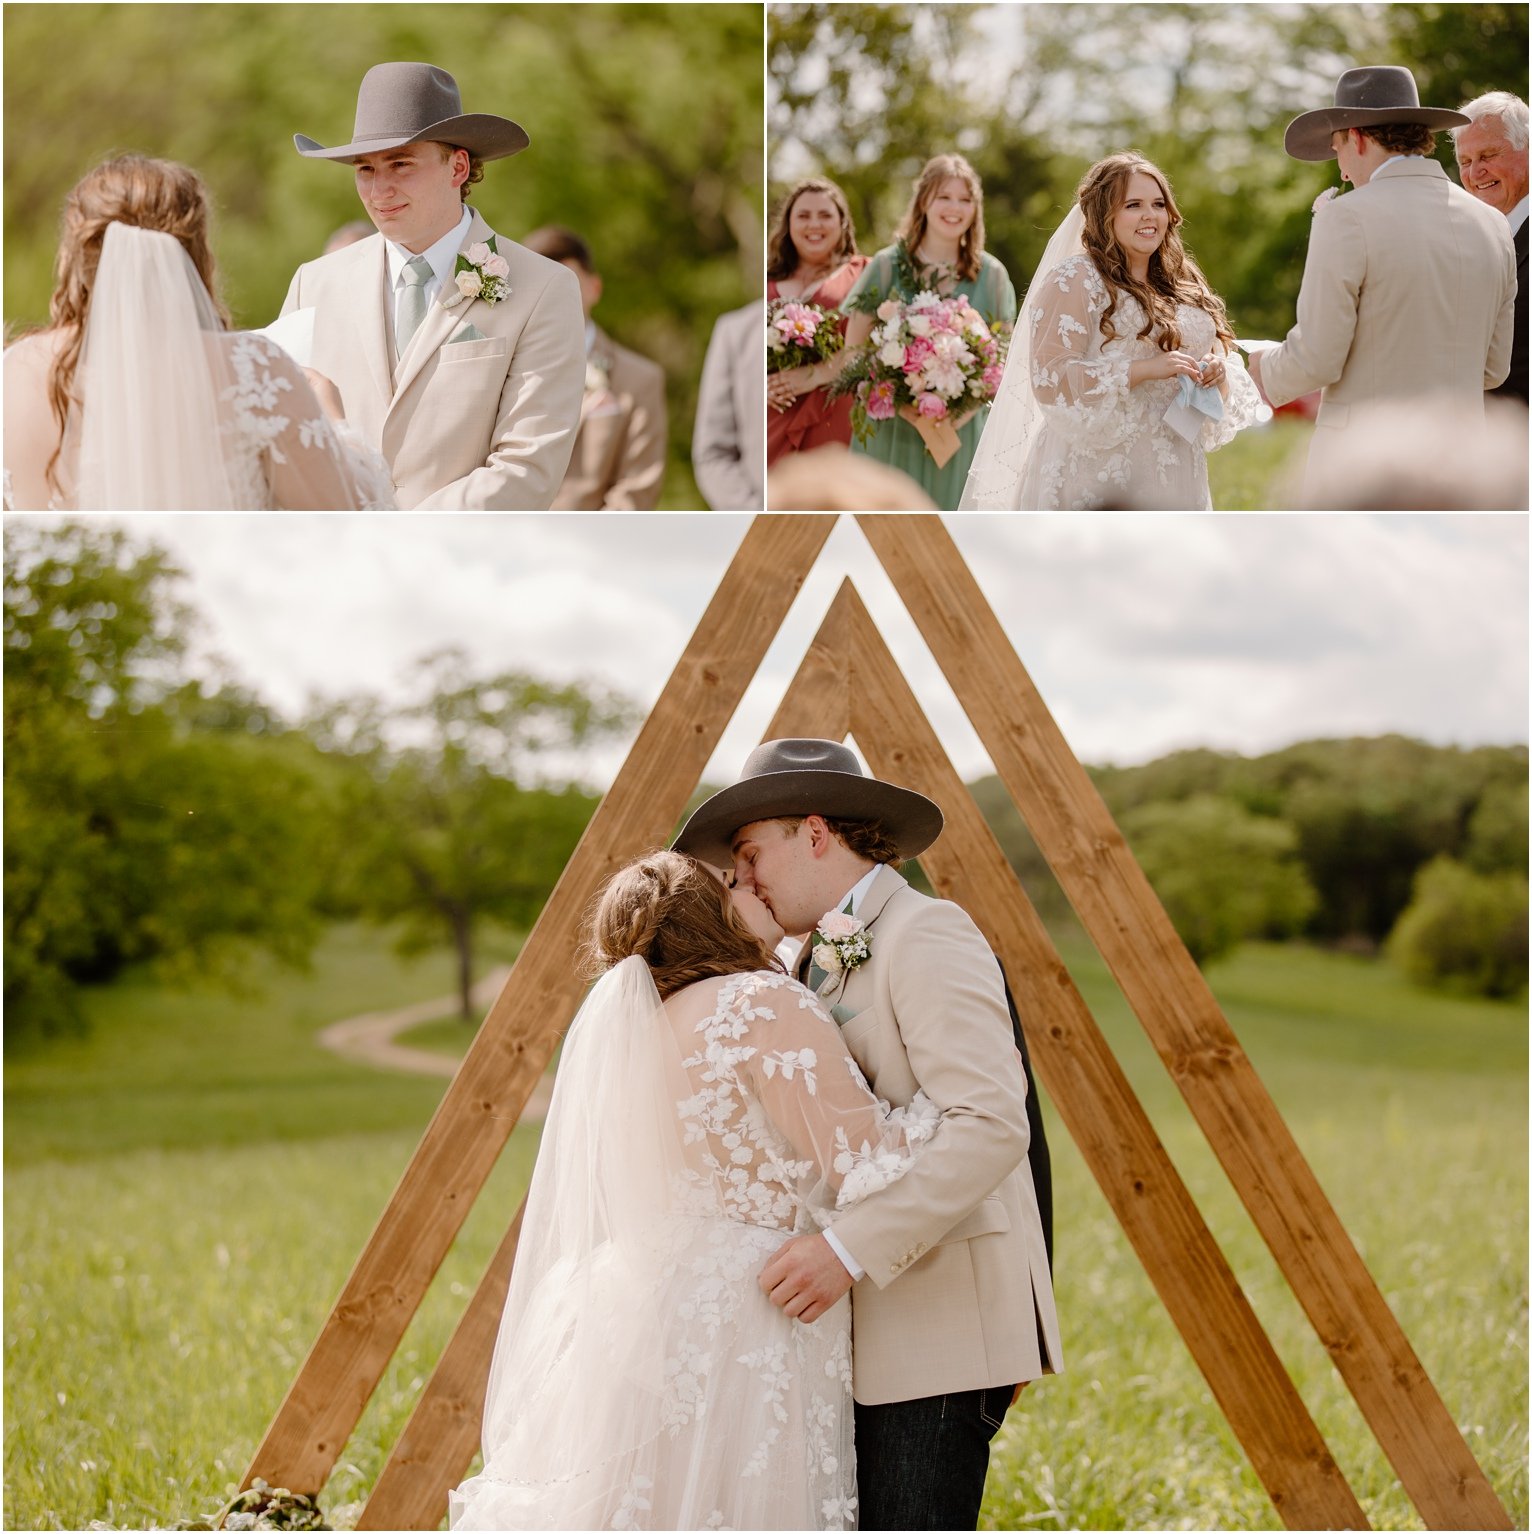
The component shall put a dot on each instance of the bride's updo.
(1174, 278)
(676, 915)
(132, 189)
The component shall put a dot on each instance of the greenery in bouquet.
(798, 334)
(933, 355)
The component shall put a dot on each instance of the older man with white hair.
(1492, 160)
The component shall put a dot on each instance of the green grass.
(187, 1189)
(1242, 475)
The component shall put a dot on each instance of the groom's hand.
(804, 1277)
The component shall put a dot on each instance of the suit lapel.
(375, 331)
(884, 888)
(440, 321)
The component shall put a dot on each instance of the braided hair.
(676, 915)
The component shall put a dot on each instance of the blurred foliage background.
(1034, 94)
(645, 123)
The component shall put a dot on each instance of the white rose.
(478, 253)
(826, 958)
(497, 266)
(920, 324)
(469, 284)
(891, 353)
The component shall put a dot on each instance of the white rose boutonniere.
(480, 272)
(841, 944)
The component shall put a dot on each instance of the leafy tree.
(447, 826)
(1222, 874)
(1464, 929)
(1497, 830)
(133, 832)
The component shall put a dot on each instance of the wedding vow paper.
(294, 333)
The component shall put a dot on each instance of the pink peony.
(917, 354)
(880, 401)
(992, 376)
(933, 406)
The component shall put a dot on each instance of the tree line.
(156, 814)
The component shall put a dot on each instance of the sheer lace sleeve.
(837, 1142)
(310, 464)
(1084, 395)
(1239, 410)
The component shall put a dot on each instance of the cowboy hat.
(414, 103)
(1364, 98)
(808, 777)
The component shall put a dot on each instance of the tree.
(447, 824)
(1464, 929)
(133, 830)
(1223, 875)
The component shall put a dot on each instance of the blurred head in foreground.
(833, 478)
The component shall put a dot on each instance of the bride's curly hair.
(1174, 278)
(678, 917)
(131, 189)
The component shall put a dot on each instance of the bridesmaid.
(811, 255)
(940, 246)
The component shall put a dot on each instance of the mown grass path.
(187, 1188)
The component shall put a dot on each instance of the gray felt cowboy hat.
(1364, 98)
(417, 103)
(808, 777)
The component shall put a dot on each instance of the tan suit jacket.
(465, 422)
(1409, 289)
(957, 1286)
(618, 461)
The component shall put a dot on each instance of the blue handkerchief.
(473, 333)
(1193, 405)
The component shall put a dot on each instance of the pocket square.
(844, 1014)
(467, 333)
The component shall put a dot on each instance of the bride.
(138, 397)
(704, 1111)
(1119, 327)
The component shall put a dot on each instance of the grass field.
(1242, 476)
(187, 1189)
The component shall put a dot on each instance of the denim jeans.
(921, 1464)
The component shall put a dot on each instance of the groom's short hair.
(475, 164)
(1402, 138)
(868, 839)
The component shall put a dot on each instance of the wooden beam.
(439, 1441)
(1098, 1107)
(485, 1098)
(433, 1453)
(1076, 833)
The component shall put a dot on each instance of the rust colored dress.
(813, 419)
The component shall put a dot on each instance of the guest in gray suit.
(729, 435)
(1492, 160)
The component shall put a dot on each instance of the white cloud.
(1143, 634)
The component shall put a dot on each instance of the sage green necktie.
(818, 976)
(412, 301)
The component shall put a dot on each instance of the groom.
(1410, 284)
(458, 353)
(952, 1308)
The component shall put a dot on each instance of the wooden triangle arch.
(849, 684)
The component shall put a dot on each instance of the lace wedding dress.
(174, 413)
(641, 1378)
(1067, 432)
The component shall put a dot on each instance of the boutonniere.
(480, 273)
(841, 944)
(598, 379)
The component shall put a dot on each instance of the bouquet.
(928, 360)
(798, 333)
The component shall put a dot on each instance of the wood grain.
(1087, 852)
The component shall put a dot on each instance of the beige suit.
(729, 433)
(1409, 289)
(465, 422)
(957, 1284)
(618, 461)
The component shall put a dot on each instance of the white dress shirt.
(442, 257)
(789, 950)
(1517, 217)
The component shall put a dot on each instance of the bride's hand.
(1164, 365)
(327, 394)
(1213, 372)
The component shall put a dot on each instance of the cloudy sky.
(1143, 633)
